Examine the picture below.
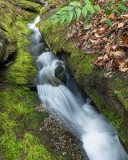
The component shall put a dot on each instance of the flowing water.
(61, 96)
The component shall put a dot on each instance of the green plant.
(75, 10)
(114, 7)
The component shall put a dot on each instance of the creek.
(60, 94)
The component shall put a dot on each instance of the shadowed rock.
(60, 73)
(3, 42)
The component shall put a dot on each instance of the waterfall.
(61, 96)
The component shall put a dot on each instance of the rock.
(3, 46)
(38, 1)
(108, 93)
(6, 48)
(60, 73)
(62, 141)
(9, 26)
(29, 5)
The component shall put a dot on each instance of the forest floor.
(109, 40)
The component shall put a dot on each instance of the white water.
(100, 140)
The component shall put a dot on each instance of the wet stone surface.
(60, 140)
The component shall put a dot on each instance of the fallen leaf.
(114, 47)
(105, 57)
(112, 16)
(123, 69)
(100, 58)
(120, 25)
(101, 30)
(121, 64)
(97, 35)
(126, 16)
(125, 39)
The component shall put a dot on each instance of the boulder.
(60, 73)
(109, 91)
(13, 15)
(29, 5)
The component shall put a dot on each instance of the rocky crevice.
(108, 90)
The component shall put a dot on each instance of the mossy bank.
(19, 122)
(109, 92)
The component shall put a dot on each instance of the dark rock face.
(6, 48)
(3, 43)
(60, 73)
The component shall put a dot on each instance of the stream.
(61, 96)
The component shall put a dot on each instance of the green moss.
(19, 126)
(33, 149)
(22, 71)
(19, 70)
(109, 94)
(28, 5)
(114, 115)
(19, 122)
(120, 88)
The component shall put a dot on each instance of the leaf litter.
(109, 42)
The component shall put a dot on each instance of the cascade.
(61, 96)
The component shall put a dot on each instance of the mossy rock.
(109, 93)
(28, 5)
(13, 14)
(19, 121)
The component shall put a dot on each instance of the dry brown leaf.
(105, 57)
(120, 25)
(122, 64)
(100, 58)
(101, 30)
(126, 16)
(97, 35)
(112, 42)
(123, 69)
(125, 39)
(114, 47)
(112, 16)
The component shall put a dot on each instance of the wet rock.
(60, 73)
(61, 141)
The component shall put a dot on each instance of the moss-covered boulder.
(28, 5)
(19, 121)
(8, 39)
(10, 11)
(109, 91)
